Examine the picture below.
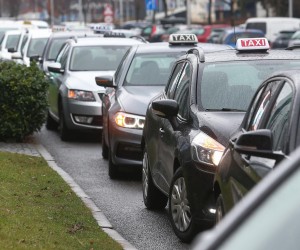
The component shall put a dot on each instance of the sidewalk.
(32, 148)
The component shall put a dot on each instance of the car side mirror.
(35, 58)
(12, 50)
(165, 108)
(105, 81)
(55, 67)
(257, 143)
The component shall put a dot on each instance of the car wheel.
(153, 197)
(181, 217)
(219, 209)
(64, 132)
(104, 148)
(113, 170)
(51, 124)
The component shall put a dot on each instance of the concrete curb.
(102, 221)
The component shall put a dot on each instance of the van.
(271, 26)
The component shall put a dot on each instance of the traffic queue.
(203, 122)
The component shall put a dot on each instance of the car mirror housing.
(165, 108)
(55, 67)
(35, 58)
(12, 50)
(257, 143)
(105, 81)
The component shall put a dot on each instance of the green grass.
(38, 210)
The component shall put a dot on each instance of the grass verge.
(38, 210)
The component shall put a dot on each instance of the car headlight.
(129, 121)
(81, 95)
(206, 150)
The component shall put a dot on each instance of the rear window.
(231, 85)
(258, 26)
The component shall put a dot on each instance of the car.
(33, 45)
(208, 29)
(266, 136)
(55, 43)
(265, 218)
(142, 75)
(10, 43)
(282, 39)
(230, 36)
(295, 39)
(74, 99)
(189, 124)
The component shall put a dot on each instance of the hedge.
(23, 100)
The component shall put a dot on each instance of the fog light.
(83, 119)
(212, 210)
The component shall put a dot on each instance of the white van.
(271, 26)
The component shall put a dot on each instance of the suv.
(188, 126)
(74, 98)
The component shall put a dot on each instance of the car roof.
(234, 55)
(14, 32)
(63, 34)
(84, 41)
(166, 47)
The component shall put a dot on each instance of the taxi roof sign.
(102, 28)
(183, 39)
(260, 43)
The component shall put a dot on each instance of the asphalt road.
(120, 200)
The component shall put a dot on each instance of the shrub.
(23, 100)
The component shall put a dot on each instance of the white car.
(33, 45)
(75, 100)
(11, 42)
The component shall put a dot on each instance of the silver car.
(75, 100)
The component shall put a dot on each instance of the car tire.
(105, 148)
(153, 197)
(64, 132)
(51, 124)
(220, 212)
(182, 220)
(113, 170)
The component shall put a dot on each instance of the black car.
(266, 219)
(189, 124)
(269, 132)
(282, 39)
(143, 73)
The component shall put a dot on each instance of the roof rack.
(199, 52)
(295, 46)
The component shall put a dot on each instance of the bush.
(23, 100)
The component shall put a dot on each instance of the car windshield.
(150, 69)
(97, 58)
(279, 230)
(36, 46)
(231, 85)
(54, 48)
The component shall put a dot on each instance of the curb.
(101, 219)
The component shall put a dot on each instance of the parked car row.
(203, 122)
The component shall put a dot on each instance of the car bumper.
(200, 192)
(83, 115)
(125, 146)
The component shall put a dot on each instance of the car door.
(157, 142)
(56, 79)
(172, 134)
(272, 112)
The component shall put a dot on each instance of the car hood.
(220, 125)
(135, 99)
(85, 80)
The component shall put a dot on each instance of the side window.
(174, 79)
(182, 92)
(62, 58)
(261, 106)
(278, 121)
